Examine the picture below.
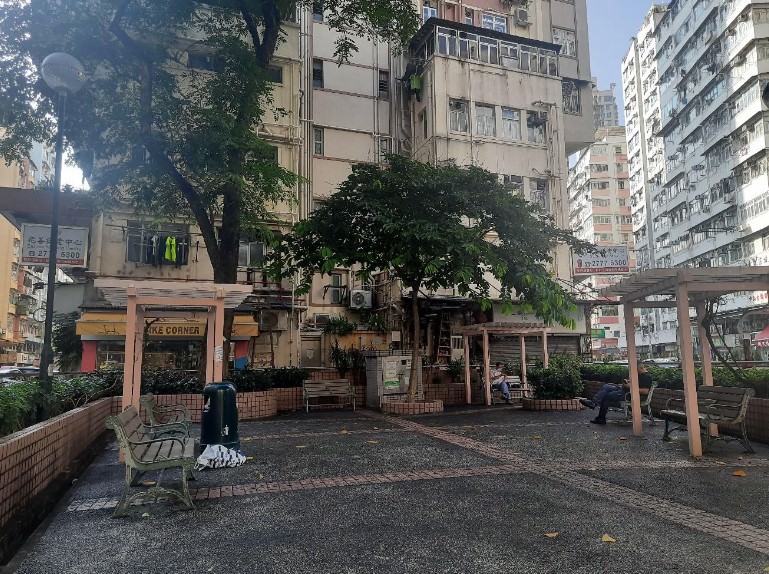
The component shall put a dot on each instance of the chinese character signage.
(35, 242)
(606, 261)
(598, 334)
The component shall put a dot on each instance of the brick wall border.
(415, 408)
(551, 404)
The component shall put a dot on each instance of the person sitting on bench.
(499, 382)
(611, 394)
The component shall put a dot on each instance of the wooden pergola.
(178, 299)
(483, 330)
(682, 289)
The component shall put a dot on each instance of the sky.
(611, 24)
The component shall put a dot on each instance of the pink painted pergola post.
(468, 392)
(210, 344)
(545, 354)
(632, 358)
(219, 351)
(487, 366)
(130, 351)
(523, 360)
(707, 366)
(687, 365)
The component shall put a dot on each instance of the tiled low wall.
(252, 405)
(36, 465)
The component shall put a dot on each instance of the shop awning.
(762, 339)
(114, 324)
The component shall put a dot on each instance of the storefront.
(170, 343)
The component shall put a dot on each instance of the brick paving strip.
(751, 537)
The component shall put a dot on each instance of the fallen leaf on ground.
(551, 534)
(343, 431)
(301, 446)
(537, 437)
(623, 438)
(592, 468)
(372, 441)
(146, 515)
(739, 472)
(376, 428)
(720, 462)
(608, 539)
(766, 569)
(249, 458)
(148, 483)
(739, 458)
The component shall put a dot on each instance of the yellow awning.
(113, 324)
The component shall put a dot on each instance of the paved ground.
(474, 490)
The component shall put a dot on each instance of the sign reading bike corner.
(607, 261)
(35, 242)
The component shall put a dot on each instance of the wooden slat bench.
(338, 389)
(143, 453)
(517, 389)
(165, 417)
(716, 405)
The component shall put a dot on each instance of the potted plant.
(557, 386)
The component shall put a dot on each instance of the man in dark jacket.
(611, 394)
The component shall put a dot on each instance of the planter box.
(551, 404)
(415, 408)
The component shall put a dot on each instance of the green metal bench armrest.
(181, 441)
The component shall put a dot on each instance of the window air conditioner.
(360, 299)
(522, 17)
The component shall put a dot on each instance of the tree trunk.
(414, 344)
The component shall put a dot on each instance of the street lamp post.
(65, 75)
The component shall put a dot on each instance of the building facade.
(605, 109)
(599, 212)
(708, 207)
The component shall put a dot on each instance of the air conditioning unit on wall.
(360, 299)
(522, 17)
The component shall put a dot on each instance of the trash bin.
(219, 420)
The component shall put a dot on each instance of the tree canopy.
(154, 131)
(434, 227)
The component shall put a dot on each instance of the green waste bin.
(219, 420)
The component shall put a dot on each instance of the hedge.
(755, 378)
(19, 402)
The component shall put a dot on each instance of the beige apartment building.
(502, 85)
(599, 200)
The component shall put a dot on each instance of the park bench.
(517, 389)
(625, 406)
(338, 389)
(716, 405)
(143, 452)
(165, 417)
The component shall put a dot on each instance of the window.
(621, 184)
(484, 120)
(571, 100)
(617, 149)
(535, 126)
(423, 123)
(317, 139)
(266, 153)
(205, 61)
(494, 22)
(458, 121)
(610, 311)
(251, 254)
(335, 289)
(317, 11)
(275, 74)
(538, 192)
(384, 148)
(384, 84)
(513, 182)
(317, 73)
(511, 124)
(428, 12)
(469, 20)
(157, 244)
(567, 40)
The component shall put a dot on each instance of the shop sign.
(175, 330)
(609, 260)
(36, 239)
(598, 334)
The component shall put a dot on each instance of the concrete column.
(632, 359)
(468, 391)
(687, 366)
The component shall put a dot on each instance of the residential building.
(599, 212)
(712, 205)
(605, 109)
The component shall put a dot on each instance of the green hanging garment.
(171, 249)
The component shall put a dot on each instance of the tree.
(66, 342)
(433, 227)
(159, 134)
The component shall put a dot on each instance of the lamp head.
(63, 73)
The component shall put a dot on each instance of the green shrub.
(288, 377)
(560, 380)
(169, 382)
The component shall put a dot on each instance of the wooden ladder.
(443, 354)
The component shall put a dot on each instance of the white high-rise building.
(712, 205)
(605, 109)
